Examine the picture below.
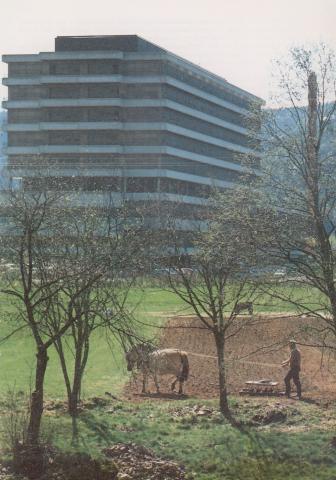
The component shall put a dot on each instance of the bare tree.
(99, 264)
(28, 244)
(300, 185)
(220, 288)
(73, 272)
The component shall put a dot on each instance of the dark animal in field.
(240, 307)
(168, 361)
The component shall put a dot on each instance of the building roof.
(65, 45)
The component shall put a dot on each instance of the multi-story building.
(119, 115)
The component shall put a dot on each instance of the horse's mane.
(145, 348)
(142, 348)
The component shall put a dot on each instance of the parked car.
(165, 271)
(280, 272)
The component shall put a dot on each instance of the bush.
(14, 424)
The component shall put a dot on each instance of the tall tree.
(300, 184)
(99, 263)
(220, 289)
(27, 242)
(67, 281)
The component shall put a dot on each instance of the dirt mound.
(59, 466)
(272, 415)
(6, 475)
(136, 462)
(124, 461)
(255, 352)
(80, 466)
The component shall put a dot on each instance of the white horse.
(168, 361)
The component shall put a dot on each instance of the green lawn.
(209, 447)
(106, 367)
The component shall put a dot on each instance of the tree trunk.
(73, 401)
(223, 400)
(74, 397)
(36, 408)
(77, 379)
(326, 251)
(60, 351)
(75, 431)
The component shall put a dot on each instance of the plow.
(264, 386)
(261, 387)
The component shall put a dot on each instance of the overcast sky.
(236, 39)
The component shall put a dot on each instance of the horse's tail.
(185, 367)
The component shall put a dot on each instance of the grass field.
(106, 368)
(296, 449)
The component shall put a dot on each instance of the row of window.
(113, 114)
(130, 67)
(205, 106)
(77, 160)
(205, 128)
(120, 184)
(85, 137)
(119, 137)
(166, 163)
(201, 169)
(123, 114)
(88, 67)
(86, 114)
(84, 90)
(209, 87)
(131, 91)
(129, 161)
(200, 148)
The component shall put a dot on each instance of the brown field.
(318, 375)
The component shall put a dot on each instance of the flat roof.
(129, 44)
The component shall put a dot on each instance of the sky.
(236, 39)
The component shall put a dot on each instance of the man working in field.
(294, 362)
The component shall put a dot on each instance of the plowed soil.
(255, 353)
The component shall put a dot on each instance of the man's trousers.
(293, 374)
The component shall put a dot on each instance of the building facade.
(118, 115)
